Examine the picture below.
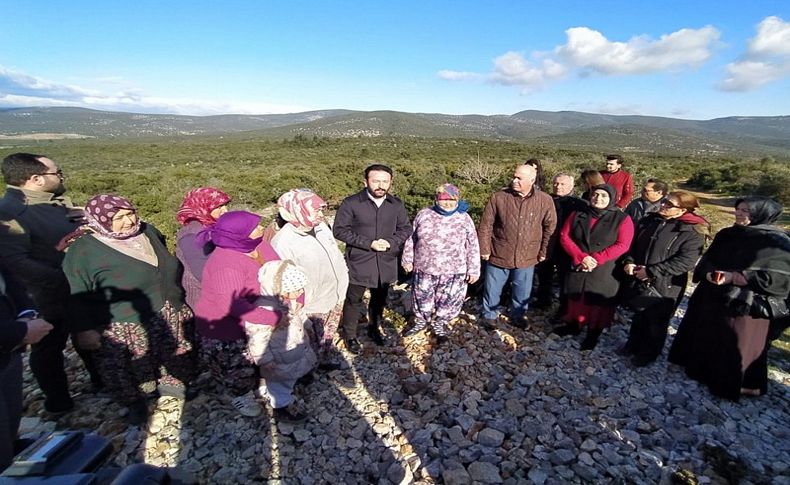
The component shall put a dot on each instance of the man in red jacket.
(621, 180)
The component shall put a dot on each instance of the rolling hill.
(732, 135)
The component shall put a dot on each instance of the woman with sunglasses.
(665, 248)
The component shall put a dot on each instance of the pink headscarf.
(301, 208)
(199, 203)
(100, 210)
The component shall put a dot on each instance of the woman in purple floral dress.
(444, 254)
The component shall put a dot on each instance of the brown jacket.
(516, 230)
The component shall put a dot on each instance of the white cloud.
(747, 75)
(21, 84)
(21, 90)
(589, 49)
(512, 69)
(772, 39)
(457, 75)
(766, 60)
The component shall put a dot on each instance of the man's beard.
(377, 193)
(59, 190)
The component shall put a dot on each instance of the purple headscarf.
(232, 231)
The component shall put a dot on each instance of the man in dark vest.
(34, 218)
(374, 225)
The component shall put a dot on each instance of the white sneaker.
(246, 405)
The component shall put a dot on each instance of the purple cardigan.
(229, 290)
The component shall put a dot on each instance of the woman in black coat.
(666, 246)
(594, 238)
(724, 337)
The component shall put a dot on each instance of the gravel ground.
(509, 406)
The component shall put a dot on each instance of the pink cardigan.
(229, 290)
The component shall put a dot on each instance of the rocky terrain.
(509, 406)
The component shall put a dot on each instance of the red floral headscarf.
(199, 203)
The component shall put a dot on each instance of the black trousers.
(48, 365)
(545, 273)
(649, 329)
(354, 307)
(10, 407)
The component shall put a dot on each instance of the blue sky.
(686, 59)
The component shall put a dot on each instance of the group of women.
(231, 305)
(260, 316)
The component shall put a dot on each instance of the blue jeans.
(495, 280)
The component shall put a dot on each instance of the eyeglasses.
(668, 203)
(59, 173)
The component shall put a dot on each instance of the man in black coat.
(565, 203)
(374, 225)
(19, 326)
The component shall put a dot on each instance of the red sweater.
(623, 183)
(625, 233)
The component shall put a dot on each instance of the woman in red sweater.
(594, 238)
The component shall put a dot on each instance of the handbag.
(642, 296)
(769, 307)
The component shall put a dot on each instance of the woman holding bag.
(666, 246)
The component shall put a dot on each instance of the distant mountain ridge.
(732, 135)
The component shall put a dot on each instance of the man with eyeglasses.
(653, 193)
(34, 218)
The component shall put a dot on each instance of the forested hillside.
(156, 175)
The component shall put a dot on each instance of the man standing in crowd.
(564, 204)
(34, 217)
(19, 326)
(653, 193)
(514, 233)
(374, 225)
(618, 178)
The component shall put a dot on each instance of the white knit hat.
(277, 277)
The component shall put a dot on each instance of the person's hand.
(589, 263)
(296, 306)
(89, 340)
(640, 272)
(472, 278)
(719, 277)
(408, 267)
(380, 245)
(37, 329)
(629, 269)
(485, 257)
(738, 279)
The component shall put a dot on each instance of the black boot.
(591, 339)
(138, 413)
(353, 346)
(567, 329)
(375, 334)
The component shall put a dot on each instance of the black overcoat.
(669, 248)
(358, 223)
